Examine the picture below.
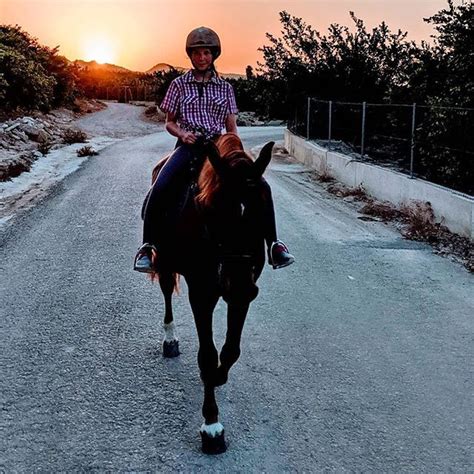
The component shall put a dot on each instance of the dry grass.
(324, 177)
(86, 151)
(340, 190)
(419, 220)
(383, 210)
(419, 224)
(71, 136)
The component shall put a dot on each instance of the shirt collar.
(189, 77)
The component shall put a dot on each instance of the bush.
(86, 151)
(33, 77)
(71, 136)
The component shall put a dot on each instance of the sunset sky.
(137, 34)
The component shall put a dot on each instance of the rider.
(199, 104)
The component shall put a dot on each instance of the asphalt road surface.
(359, 357)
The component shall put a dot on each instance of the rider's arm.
(174, 129)
(231, 123)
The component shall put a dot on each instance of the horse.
(217, 245)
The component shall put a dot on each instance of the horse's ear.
(215, 159)
(263, 159)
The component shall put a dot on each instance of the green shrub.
(34, 77)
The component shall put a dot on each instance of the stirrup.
(145, 251)
(288, 259)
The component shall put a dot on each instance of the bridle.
(196, 164)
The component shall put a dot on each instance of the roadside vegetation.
(415, 220)
(348, 63)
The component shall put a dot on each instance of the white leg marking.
(212, 430)
(170, 332)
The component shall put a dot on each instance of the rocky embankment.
(25, 139)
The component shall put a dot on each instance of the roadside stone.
(42, 136)
(20, 137)
(12, 127)
(31, 130)
(14, 167)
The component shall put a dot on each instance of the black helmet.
(203, 37)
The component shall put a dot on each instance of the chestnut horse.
(217, 244)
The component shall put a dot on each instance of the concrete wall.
(455, 210)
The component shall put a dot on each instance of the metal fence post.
(307, 118)
(330, 124)
(362, 142)
(412, 148)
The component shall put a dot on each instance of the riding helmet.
(203, 37)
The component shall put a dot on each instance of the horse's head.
(231, 195)
(230, 175)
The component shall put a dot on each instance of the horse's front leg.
(170, 342)
(203, 301)
(236, 315)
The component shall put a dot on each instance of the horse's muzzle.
(236, 280)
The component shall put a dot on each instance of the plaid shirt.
(203, 113)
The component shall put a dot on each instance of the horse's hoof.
(213, 444)
(171, 349)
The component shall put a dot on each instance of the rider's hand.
(189, 138)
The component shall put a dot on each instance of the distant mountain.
(163, 67)
(166, 67)
(112, 68)
(95, 66)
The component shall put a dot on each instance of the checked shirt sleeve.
(171, 101)
(232, 104)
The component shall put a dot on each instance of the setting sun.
(99, 49)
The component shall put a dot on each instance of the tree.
(33, 76)
(454, 46)
(345, 64)
(162, 80)
(445, 143)
(249, 72)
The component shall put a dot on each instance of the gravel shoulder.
(37, 173)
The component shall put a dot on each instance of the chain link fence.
(429, 142)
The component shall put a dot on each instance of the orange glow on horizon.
(98, 48)
(137, 34)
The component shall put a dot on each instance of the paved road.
(357, 358)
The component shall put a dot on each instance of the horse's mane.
(232, 151)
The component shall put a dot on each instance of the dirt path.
(118, 121)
